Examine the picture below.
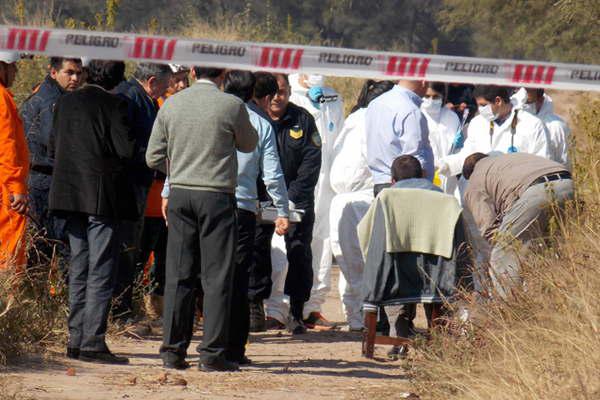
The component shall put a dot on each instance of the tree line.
(551, 30)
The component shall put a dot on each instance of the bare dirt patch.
(321, 364)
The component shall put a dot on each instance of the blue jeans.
(94, 255)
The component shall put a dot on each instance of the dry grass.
(544, 342)
(32, 305)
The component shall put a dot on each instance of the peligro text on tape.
(290, 58)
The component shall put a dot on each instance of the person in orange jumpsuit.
(14, 168)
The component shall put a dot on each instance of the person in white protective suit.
(327, 108)
(538, 103)
(499, 127)
(445, 132)
(352, 182)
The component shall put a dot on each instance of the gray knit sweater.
(198, 131)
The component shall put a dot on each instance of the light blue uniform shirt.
(265, 158)
(395, 126)
(416, 183)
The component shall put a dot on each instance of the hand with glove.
(459, 140)
(315, 94)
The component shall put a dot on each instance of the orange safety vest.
(154, 200)
(161, 100)
(14, 169)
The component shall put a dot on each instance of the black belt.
(42, 169)
(552, 177)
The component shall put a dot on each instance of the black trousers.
(239, 326)
(202, 242)
(130, 268)
(154, 239)
(259, 280)
(299, 279)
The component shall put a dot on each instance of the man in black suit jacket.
(148, 83)
(91, 145)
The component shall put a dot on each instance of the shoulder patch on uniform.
(296, 133)
(316, 138)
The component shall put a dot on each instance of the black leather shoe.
(240, 361)
(103, 357)
(257, 317)
(296, 326)
(176, 364)
(245, 361)
(73, 352)
(219, 366)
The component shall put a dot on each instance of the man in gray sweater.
(194, 141)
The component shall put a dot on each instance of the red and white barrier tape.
(310, 59)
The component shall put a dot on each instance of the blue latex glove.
(459, 140)
(314, 94)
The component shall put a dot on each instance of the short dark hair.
(266, 85)
(370, 91)
(490, 92)
(406, 167)
(57, 62)
(469, 164)
(282, 76)
(538, 92)
(240, 84)
(145, 71)
(202, 72)
(439, 87)
(106, 74)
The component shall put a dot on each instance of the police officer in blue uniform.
(299, 146)
(37, 113)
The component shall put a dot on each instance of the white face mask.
(487, 113)
(315, 80)
(530, 108)
(431, 106)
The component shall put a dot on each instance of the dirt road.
(325, 364)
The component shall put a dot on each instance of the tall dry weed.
(32, 303)
(543, 343)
